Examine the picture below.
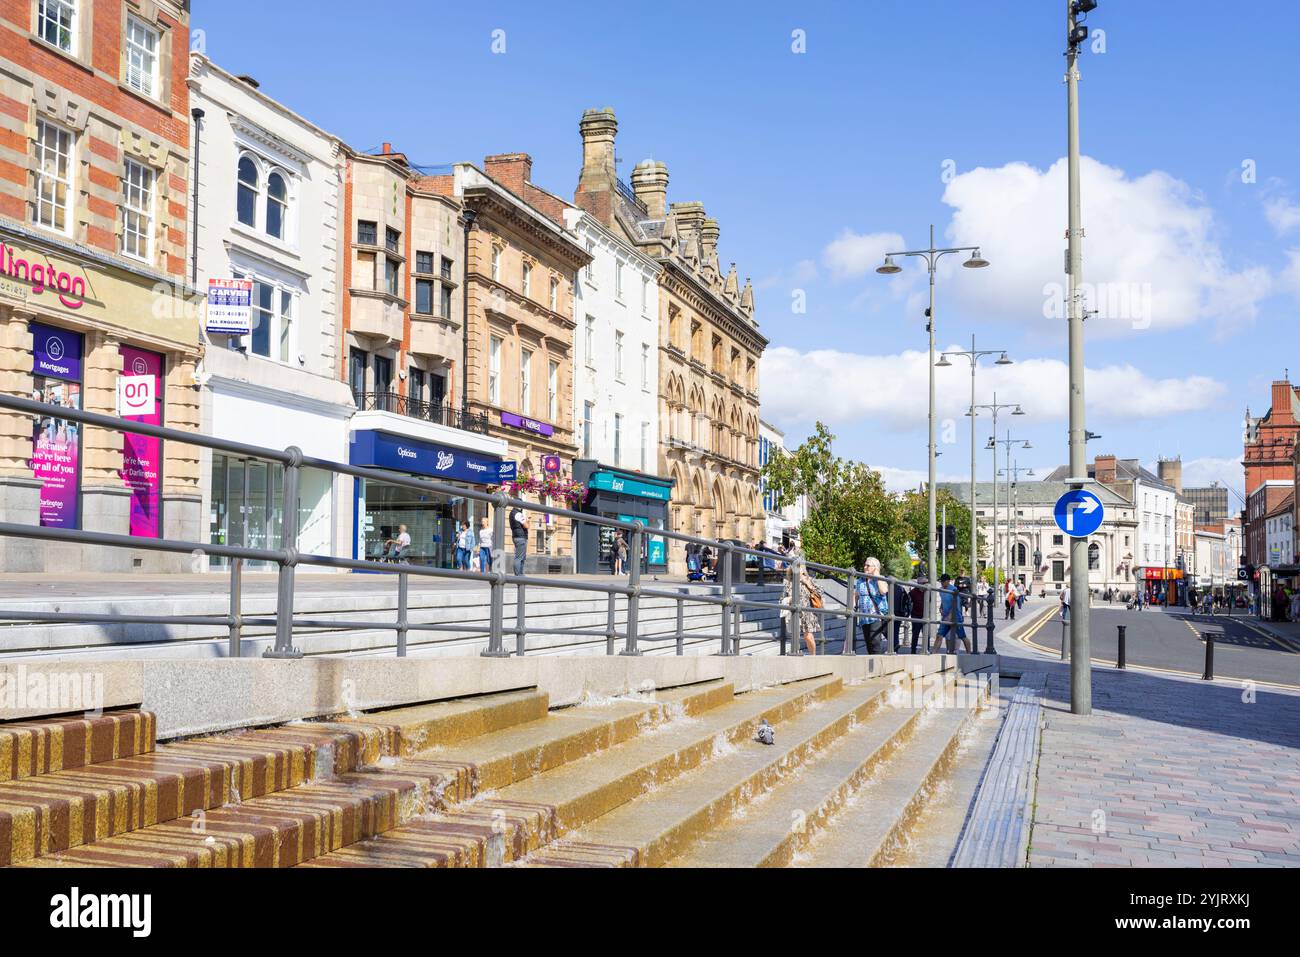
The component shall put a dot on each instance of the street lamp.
(1006, 443)
(995, 407)
(1013, 470)
(890, 268)
(974, 355)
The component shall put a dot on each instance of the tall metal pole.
(996, 558)
(1080, 650)
(931, 612)
(974, 526)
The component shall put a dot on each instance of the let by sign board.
(230, 307)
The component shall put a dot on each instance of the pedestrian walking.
(920, 627)
(485, 544)
(1009, 601)
(902, 612)
(517, 519)
(873, 604)
(951, 612)
(618, 555)
(464, 546)
(806, 622)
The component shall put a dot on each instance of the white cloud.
(852, 254)
(1291, 272)
(907, 480)
(1283, 215)
(1151, 253)
(890, 392)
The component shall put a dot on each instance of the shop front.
(80, 330)
(628, 497)
(432, 519)
(1161, 586)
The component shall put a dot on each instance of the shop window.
(141, 54)
(137, 211)
(53, 170)
(56, 442)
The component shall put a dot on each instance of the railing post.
(796, 602)
(288, 561)
(610, 633)
(521, 619)
(725, 552)
(235, 649)
(850, 621)
(403, 624)
(681, 625)
(634, 592)
(497, 587)
(988, 632)
(735, 629)
(1122, 657)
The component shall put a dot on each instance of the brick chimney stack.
(1105, 469)
(1283, 403)
(511, 170)
(1171, 473)
(596, 182)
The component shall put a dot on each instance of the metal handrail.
(287, 558)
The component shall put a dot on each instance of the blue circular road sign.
(1079, 513)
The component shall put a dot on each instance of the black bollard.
(1209, 657)
(1123, 658)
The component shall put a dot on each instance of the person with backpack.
(1009, 611)
(920, 627)
(873, 604)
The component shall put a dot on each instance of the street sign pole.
(1080, 650)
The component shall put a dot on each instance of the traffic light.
(950, 537)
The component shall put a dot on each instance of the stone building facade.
(519, 296)
(94, 157)
(709, 341)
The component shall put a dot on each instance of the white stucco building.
(616, 348)
(779, 521)
(268, 197)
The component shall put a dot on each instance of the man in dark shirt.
(918, 614)
(518, 520)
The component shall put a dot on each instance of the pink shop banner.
(141, 454)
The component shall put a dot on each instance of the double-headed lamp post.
(994, 407)
(974, 355)
(1006, 443)
(889, 268)
(1013, 500)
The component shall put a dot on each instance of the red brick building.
(1268, 456)
(94, 166)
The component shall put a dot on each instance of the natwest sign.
(527, 424)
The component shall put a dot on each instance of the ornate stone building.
(709, 342)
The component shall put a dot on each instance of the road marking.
(1024, 639)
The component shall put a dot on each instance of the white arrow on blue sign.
(1079, 513)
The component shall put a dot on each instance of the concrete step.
(279, 830)
(448, 722)
(876, 821)
(60, 810)
(40, 747)
(663, 824)
(508, 823)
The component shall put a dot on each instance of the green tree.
(850, 513)
(915, 510)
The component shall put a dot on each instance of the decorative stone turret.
(709, 233)
(650, 183)
(732, 286)
(747, 298)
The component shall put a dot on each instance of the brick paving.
(1166, 771)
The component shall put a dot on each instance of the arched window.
(1021, 556)
(1094, 557)
(277, 204)
(246, 200)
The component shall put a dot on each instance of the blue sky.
(899, 113)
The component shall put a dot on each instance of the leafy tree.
(915, 510)
(850, 513)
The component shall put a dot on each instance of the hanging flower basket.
(551, 487)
